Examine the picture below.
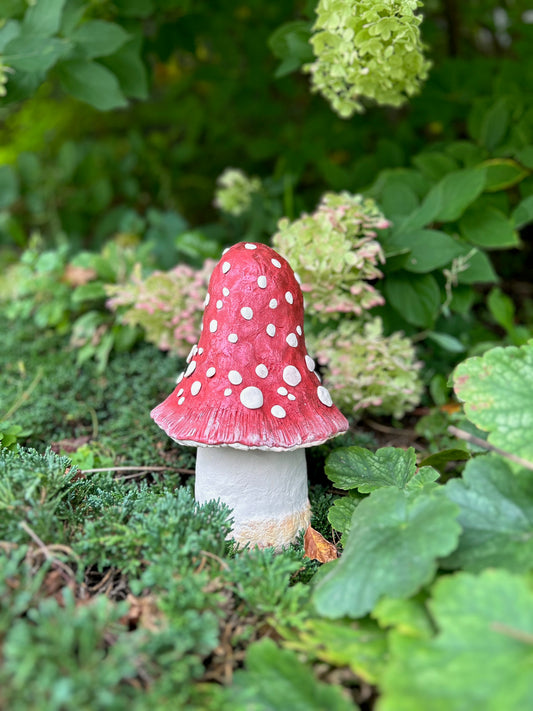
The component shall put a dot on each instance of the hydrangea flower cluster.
(167, 305)
(335, 253)
(366, 370)
(367, 49)
(234, 191)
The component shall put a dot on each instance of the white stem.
(267, 491)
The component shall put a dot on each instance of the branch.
(467, 437)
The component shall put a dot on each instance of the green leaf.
(446, 341)
(494, 124)
(503, 173)
(502, 308)
(341, 512)
(415, 296)
(458, 190)
(439, 460)
(496, 515)
(276, 680)
(290, 43)
(43, 18)
(479, 659)
(395, 540)
(479, 269)
(35, 54)
(9, 187)
(409, 616)
(434, 165)
(429, 249)
(8, 32)
(523, 212)
(128, 67)
(88, 292)
(99, 38)
(359, 468)
(488, 227)
(497, 391)
(92, 83)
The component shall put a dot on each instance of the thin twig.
(24, 396)
(136, 469)
(64, 569)
(467, 437)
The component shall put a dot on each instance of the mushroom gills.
(267, 492)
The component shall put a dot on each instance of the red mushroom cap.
(249, 382)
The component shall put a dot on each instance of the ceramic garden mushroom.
(250, 398)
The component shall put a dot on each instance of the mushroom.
(250, 398)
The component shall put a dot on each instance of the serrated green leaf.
(488, 227)
(359, 468)
(92, 83)
(395, 540)
(341, 512)
(276, 680)
(415, 296)
(480, 657)
(497, 390)
(99, 38)
(496, 516)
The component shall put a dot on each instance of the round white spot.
(289, 298)
(250, 246)
(195, 387)
(180, 392)
(252, 398)
(235, 377)
(225, 291)
(200, 351)
(207, 297)
(233, 338)
(213, 325)
(278, 411)
(292, 340)
(276, 263)
(262, 370)
(210, 372)
(219, 304)
(290, 396)
(247, 312)
(310, 363)
(299, 330)
(271, 329)
(179, 378)
(282, 390)
(225, 250)
(291, 375)
(273, 303)
(226, 267)
(191, 368)
(227, 391)
(181, 401)
(262, 281)
(324, 396)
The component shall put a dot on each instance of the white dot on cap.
(226, 250)
(291, 375)
(179, 378)
(252, 398)
(219, 304)
(289, 298)
(195, 387)
(299, 330)
(180, 392)
(262, 281)
(262, 370)
(181, 401)
(271, 329)
(273, 303)
(278, 411)
(310, 363)
(250, 246)
(225, 291)
(191, 368)
(282, 390)
(226, 267)
(210, 372)
(297, 277)
(324, 396)
(200, 351)
(235, 377)
(247, 312)
(292, 340)
(233, 338)
(276, 263)
(207, 297)
(227, 391)
(290, 396)
(213, 325)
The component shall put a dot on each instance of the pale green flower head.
(366, 370)
(234, 191)
(335, 253)
(367, 49)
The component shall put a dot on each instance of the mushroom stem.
(266, 490)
